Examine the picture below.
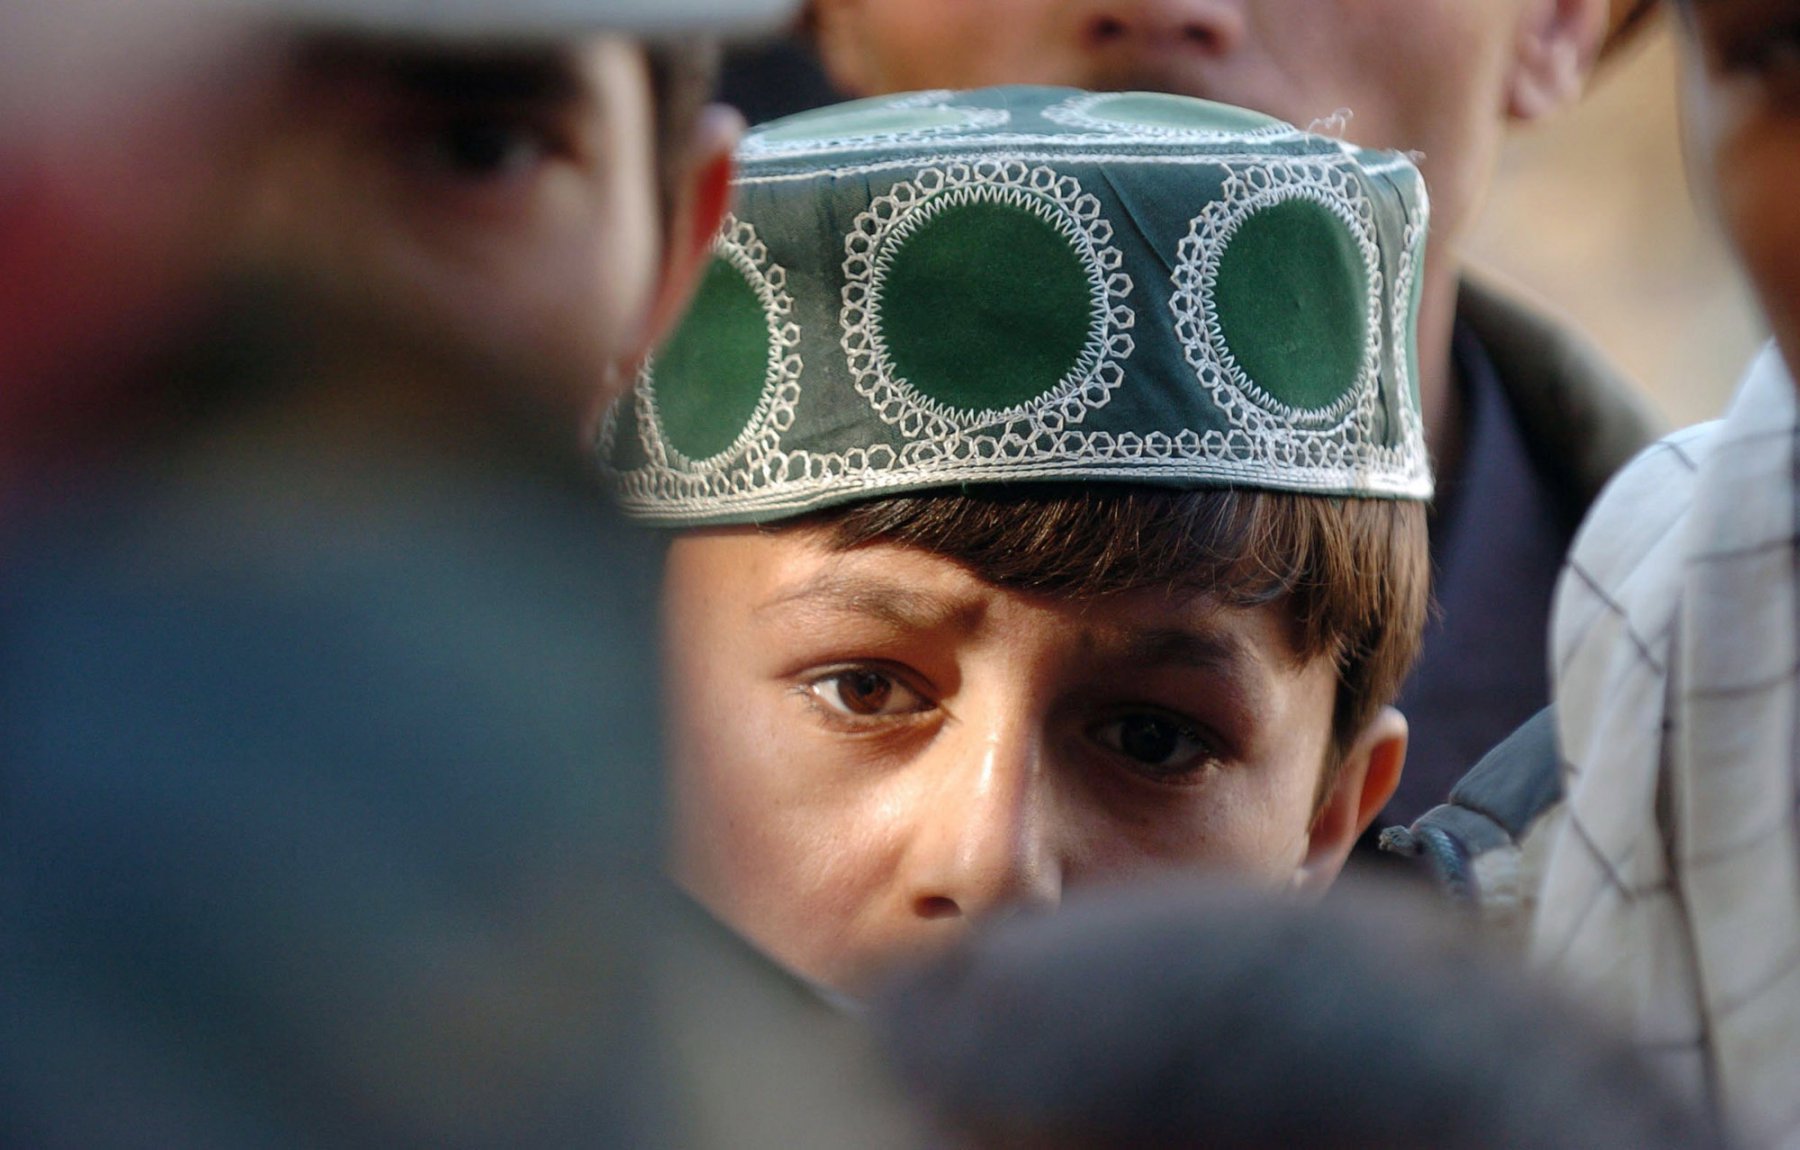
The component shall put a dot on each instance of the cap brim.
(533, 19)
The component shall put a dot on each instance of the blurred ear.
(838, 39)
(1365, 781)
(1557, 44)
(697, 206)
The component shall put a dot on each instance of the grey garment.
(1470, 844)
(330, 809)
(1547, 423)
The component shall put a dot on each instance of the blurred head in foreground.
(502, 205)
(453, 218)
(1179, 1016)
(1047, 474)
(326, 709)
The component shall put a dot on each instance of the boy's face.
(1436, 76)
(875, 748)
(500, 206)
(1744, 122)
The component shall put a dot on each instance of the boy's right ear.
(1365, 780)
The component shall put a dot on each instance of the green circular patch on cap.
(881, 119)
(1155, 110)
(986, 306)
(709, 377)
(1291, 298)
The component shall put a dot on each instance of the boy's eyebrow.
(1234, 667)
(887, 600)
(1182, 647)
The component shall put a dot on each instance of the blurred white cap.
(64, 61)
(514, 19)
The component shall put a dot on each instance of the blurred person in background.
(1176, 1016)
(1525, 420)
(327, 713)
(1671, 894)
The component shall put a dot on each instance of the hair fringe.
(1353, 572)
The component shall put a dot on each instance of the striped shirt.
(1671, 889)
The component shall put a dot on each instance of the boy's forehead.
(1038, 284)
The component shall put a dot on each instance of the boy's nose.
(1202, 27)
(984, 840)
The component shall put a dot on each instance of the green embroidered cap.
(1027, 284)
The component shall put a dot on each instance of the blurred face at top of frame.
(1437, 76)
(1743, 121)
(874, 748)
(499, 205)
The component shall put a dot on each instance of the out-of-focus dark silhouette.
(1195, 1016)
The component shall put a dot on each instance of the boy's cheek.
(1259, 829)
(795, 866)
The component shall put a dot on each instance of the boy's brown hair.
(1354, 574)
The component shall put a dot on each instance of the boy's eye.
(1160, 746)
(864, 692)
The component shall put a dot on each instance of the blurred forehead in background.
(492, 205)
(451, 166)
